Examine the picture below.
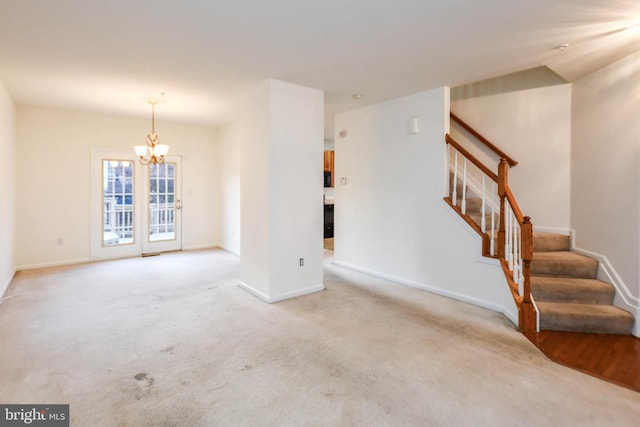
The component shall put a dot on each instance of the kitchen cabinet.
(329, 164)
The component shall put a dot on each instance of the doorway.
(328, 199)
(136, 209)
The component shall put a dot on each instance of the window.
(117, 205)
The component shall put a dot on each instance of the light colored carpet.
(172, 340)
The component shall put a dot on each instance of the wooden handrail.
(514, 205)
(484, 140)
(469, 156)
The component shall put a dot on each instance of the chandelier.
(152, 151)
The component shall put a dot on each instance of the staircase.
(564, 286)
(567, 293)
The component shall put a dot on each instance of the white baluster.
(514, 247)
(454, 194)
(483, 221)
(492, 245)
(521, 277)
(512, 242)
(507, 240)
(464, 185)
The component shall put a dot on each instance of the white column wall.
(254, 133)
(605, 178)
(390, 217)
(7, 189)
(281, 128)
(53, 164)
(230, 152)
(534, 127)
(296, 189)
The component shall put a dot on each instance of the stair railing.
(483, 140)
(515, 250)
(512, 230)
(472, 173)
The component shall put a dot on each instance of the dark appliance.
(327, 178)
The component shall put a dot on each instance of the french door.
(136, 209)
(162, 205)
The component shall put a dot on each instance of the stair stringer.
(508, 306)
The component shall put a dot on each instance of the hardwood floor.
(614, 358)
(328, 244)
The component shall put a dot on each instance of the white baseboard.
(222, 248)
(236, 253)
(511, 315)
(201, 247)
(270, 300)
(432, 289)
(86, 260)
(5, 288)
(607, 273)
(53, 264)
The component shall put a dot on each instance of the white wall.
(296, 188)
(253, 128)
(390, 217)
(7, 189)
(605, 179)
(53, 164)
(281, 130)
(533, 126)
(230, 147)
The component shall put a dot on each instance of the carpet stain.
(141, 376)
(168, 350)
(212, 287)
(219, 387)
(246, 368)
(146, 387)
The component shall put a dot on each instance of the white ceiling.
(105, 56)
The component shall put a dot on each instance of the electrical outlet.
(59, 241)
(343, 180)
(301, 262)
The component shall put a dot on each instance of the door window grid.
(161, 202)
(118, 212)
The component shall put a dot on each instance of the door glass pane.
(161, 205)
(117, 204)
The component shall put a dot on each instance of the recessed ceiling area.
(106, 56)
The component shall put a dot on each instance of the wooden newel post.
(503, 177)
(527, 311)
